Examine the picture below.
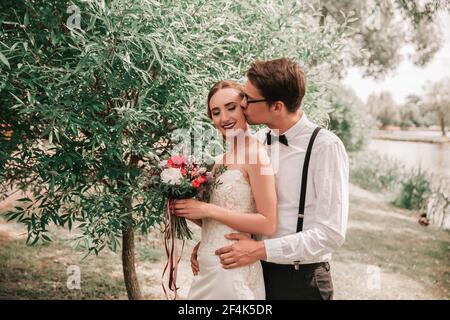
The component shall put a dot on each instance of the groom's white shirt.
(326, 206)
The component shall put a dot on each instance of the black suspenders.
(301, 206)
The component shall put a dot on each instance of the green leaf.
(26, 19)
(12, 215)
(46, 238)
(4, 60)
(24, 199)
(13, 46)
(35, 240)
(69, 224)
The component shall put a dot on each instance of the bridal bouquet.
(180, 179)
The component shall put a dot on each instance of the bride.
(245, 201)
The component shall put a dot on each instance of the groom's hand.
(243, 252)
(194, 263)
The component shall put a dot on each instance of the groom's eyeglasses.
(246, 100)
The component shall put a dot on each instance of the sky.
(407, 78)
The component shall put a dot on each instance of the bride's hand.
(191, 209)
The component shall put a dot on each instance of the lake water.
(433, 157)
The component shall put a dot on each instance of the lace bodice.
(233, 193)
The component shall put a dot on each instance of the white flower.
(163, 163)
(171, 176)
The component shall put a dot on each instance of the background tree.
(437, 103)
(410, 112)
(383, 27)
(383, 108)
(350, 119)
(92, 105)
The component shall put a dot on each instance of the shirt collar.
(294, 130)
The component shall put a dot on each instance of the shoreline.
(408, 136)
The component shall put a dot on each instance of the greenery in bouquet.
(181, 178)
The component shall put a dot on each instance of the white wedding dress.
(213, 282)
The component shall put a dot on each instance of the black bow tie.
(282, 139)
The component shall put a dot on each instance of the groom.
(312, 188)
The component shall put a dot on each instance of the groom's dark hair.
(279, 80)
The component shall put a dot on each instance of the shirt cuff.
(274, 250)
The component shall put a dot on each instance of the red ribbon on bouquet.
(170, 245)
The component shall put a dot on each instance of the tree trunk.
(129, 268)
(443, 126)
(128, 262)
